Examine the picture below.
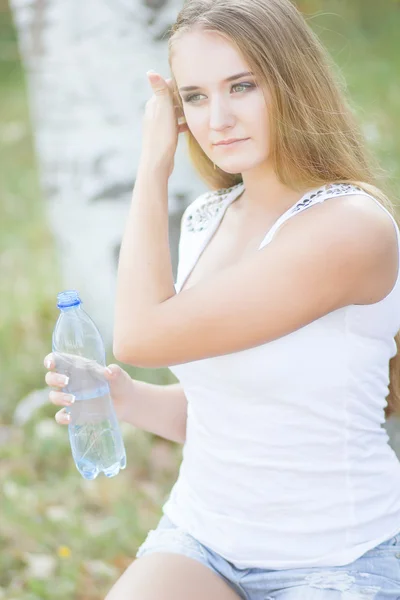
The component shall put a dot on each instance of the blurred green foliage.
(61, 537)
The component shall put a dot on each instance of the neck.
(264, 193)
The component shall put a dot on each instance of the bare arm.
(158, 409)
(338, 253)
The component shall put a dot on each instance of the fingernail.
(70, 398)
(48, 364)
(109, 371)
(63, 380)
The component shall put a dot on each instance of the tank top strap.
(199, 221)
(318, 195)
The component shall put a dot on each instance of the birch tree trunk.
(86, 66)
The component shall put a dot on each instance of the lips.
(230, 142)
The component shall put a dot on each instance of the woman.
(280, 327)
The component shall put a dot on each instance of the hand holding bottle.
(120, 382)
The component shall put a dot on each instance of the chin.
(235, 167)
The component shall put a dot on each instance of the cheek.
(198, 123)
(256, 112)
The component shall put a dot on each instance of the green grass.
(89, 532)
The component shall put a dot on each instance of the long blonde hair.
(314, 136)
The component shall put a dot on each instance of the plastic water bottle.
(78, 350)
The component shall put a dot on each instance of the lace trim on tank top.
(201, 217)
(330, 190)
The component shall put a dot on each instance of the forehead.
(199, 57)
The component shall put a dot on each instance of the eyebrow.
(191, 88)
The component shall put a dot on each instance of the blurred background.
(72, 91)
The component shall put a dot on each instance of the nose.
(221, 116)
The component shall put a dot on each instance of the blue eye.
(246, 86)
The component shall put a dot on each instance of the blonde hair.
(314, 137)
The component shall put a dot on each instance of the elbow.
(123, 348)
(118, 346)
(136, 356)
(127, 354)
(141, 348)
(119, 352)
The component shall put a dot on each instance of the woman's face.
(218, 110)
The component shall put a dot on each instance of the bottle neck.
(65, 309)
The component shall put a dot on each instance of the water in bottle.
(94, 433)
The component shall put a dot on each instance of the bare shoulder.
(360, 232)
(351, 211)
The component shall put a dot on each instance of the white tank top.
(286, 463)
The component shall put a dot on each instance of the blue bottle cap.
(68, 298)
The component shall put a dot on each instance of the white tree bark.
(86, 66)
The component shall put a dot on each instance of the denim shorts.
(373, 576)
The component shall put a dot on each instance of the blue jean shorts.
(373, 576)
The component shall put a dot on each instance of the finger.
(60, 399)
(56, 380)
(49, 361)
(179, 112)
(62, 417)
(181, 119)
(159, 85)
(171, 85)
(111, 371)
